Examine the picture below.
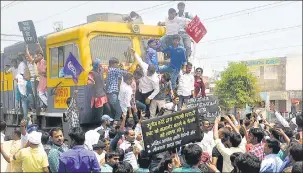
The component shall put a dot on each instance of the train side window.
(59, 56)
(54, 63)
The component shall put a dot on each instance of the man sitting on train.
(173, 26)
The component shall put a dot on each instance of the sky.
(278, 24)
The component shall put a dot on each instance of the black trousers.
(142, 97)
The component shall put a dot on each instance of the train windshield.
(105, 47)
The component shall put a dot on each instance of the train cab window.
(58, 57)
(105, 47)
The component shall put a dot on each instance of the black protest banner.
(170, 131)
(208, 107)
(28, 30)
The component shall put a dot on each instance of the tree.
(237, 87)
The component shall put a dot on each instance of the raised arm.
(139, 59)
(39, 47)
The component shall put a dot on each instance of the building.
(280, 78)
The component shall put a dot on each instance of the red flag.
(196, 29)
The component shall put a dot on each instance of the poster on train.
(28, 30)
(171, 131)
(196, 29)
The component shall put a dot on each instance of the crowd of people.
(123, 100)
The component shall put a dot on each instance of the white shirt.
(91, 138)
(130, 156)
(21, 84)
(173, 26)
(186, 84)
(2, 138)
(21, 68)
(98, 157)
(227, 152)
(207, 144)
(125, 96)
(14, 71)
(271, 163)
(148, 83)
(169, 106)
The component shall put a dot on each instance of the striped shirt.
(31, 69)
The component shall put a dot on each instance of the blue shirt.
(142, 170)
(78, 159)
(177, 56)
(285, 164)
(112, 80)
(271, 163)
(152, 57)
(186, 168)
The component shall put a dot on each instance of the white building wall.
(293, 75)
(294, 72)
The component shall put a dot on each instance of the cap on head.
(31, 128)
(35, 137)
(106, 117)
(100, 145)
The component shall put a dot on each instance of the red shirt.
(199, 87)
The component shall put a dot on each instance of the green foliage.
(237, 87)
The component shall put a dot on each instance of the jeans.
(115, 105)
(174, 73)
(182, 99)
(25, 102)
(140, 105)
(185, 40)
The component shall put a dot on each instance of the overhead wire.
(221, 17)
(13, 35)
(160, 6)
(262, 50)
(10, 40)
(260, 33)
(154, 6)
(64, 11)
(8, 6)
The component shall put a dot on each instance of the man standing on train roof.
(186, 40)
(173, 24)
(178, 58)
(151, 52)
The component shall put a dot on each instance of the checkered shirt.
(258, 150)
(112, 80)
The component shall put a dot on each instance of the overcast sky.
(282, 19)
